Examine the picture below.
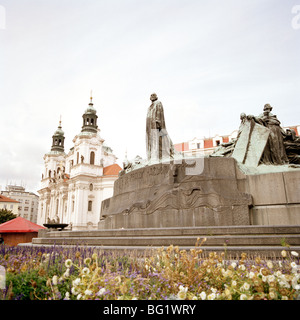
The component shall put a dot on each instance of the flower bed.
(168, 273)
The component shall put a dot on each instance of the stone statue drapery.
(158, 143)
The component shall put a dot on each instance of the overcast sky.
(207, 60)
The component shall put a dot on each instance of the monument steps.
(265, 240)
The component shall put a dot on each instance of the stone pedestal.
(198, 192)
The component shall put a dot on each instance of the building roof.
(19, 224)
(6, 199)
(112, 170)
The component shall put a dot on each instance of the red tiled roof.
(112, 170)
(19, 225)
(6, 199)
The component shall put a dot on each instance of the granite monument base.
(211, 191)
(189, 193)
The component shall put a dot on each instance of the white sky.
(207, 60)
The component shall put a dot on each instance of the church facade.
(73, 185)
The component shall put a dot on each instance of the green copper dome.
(58, 139)
(90, 119)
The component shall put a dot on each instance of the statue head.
(243, 116)
(267, 108)
(153, 97)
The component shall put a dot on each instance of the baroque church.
(73, 185)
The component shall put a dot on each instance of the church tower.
(58, 139)
(73, 185)
(90, 118)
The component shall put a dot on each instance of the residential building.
(9, 204)
(28, 201)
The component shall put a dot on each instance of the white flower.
(79, 296)
(233, 283)
(182, 292)
(295, 254)
(293, 265)
(272, 295)
(54, 280)
(243, 297)
(203, 295)
(264, 278)
(242, 267)
(245, 286)
(76, 282)
(67, 296)
(251, 275)
(233, 265)
(85, 270)
(67, 273)
(270, 264)
(284, 298)
(194, 298)
(271, 278)
(68, 263)
(283, 253)
(278, 273)
(74, 291)
(295, 284)
(211, 296)
(88, 292)
(101, 291)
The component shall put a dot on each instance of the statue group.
(260, 140)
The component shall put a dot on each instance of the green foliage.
(6, 215)
(167, 273)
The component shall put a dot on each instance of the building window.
(73, 205)
(218, 142)
(91, 187)
(92, 157)
(90, 205)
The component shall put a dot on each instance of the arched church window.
(90, 205)
(91, 187)
(58, 170)
(92, 157)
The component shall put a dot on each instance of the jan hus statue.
(158, 143)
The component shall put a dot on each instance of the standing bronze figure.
(158, 143)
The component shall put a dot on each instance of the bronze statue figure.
(158, 143)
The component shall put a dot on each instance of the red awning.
(19, 225)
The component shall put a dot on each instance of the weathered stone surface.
(292, 186)
(284, 214)
(267, 189)
(164, 195)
